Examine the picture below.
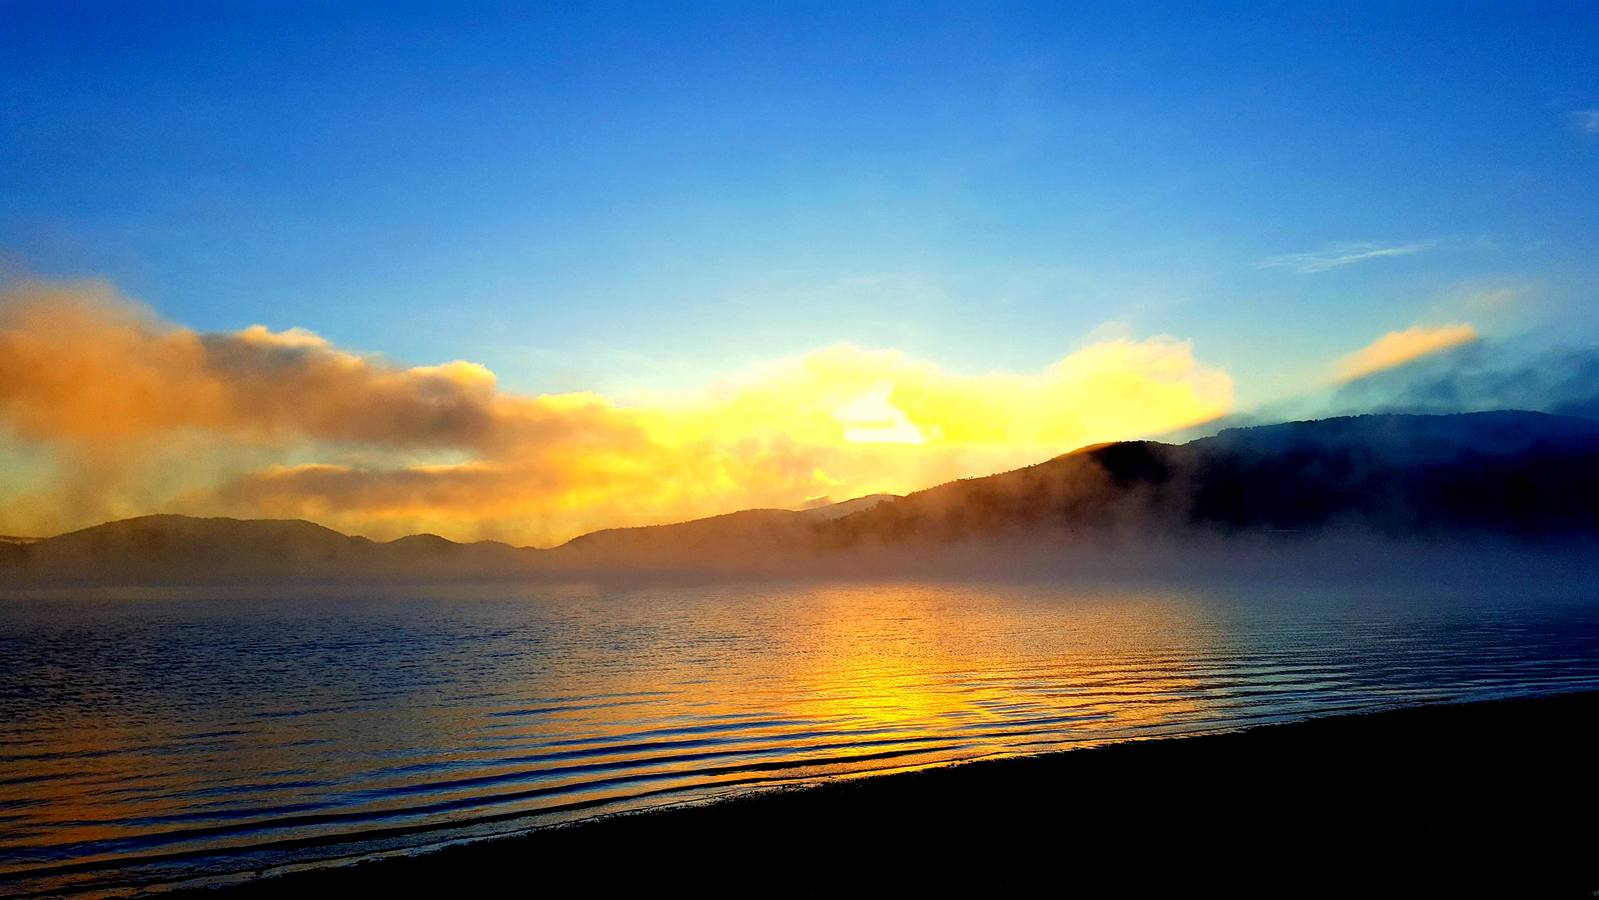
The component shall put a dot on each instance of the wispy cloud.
(1586, 120)
(1399, 347)
(1335, 256)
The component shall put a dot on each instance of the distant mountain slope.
(845, 508)
(167, 547)
(1500, 472)
(1526, 473)
(1494, 474)
(751, 535)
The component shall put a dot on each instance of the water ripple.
(214, 734)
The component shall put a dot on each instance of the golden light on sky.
(142, 415)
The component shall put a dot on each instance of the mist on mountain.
(1392, 492)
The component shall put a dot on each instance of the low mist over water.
(162, 734)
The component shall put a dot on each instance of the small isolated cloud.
(1335, 256)
(1586, 120)
(1397, 348)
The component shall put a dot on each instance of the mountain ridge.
(1500, 473)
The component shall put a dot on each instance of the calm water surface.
(148, 737)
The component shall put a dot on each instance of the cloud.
(1396, 348)
(871, 419)
(83, 365)
(1586, 120)
(140, 415)
(1335, 256)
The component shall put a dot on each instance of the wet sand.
(1486, 799)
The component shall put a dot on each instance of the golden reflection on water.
(911, 654)
(183, 724)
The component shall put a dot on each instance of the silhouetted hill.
(845, 508)
(1504, 473)
(1442, 479)
(174, 548)
(760, 531)
(741, 538)
(13, 552)
(168, 547)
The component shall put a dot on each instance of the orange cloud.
(1399, 347)
(142, 415)
(80, 364)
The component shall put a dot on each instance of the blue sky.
(620, 197)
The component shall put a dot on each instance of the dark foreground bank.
(1498, 798)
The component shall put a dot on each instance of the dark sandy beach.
(1485, 799)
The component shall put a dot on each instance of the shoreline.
(1441, 800)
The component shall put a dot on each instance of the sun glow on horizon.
(872, 418)
(140, 415)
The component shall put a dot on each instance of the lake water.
(150, 738)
